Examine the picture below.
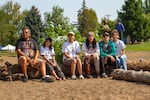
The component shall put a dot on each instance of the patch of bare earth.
(87, 89)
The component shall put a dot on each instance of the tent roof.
(9, 47)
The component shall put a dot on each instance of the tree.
(34, 22)
(56, 27)
(132, 17)
(9, 15)
(87, 20)
(146, 6)
(56, 23)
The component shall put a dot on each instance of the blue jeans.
(121, 62)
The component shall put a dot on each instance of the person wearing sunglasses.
(107, 53)
(27, 51)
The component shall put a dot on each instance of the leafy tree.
(87, 20)
(9, 15)
(146, 6)
(132, 17)
(56, 27)
(56, 23)
(34, 22)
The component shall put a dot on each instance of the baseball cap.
(91, 34)
(71, 33)
(105, 34)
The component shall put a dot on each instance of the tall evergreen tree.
(34, 22)
(87, 20)
(132, 17)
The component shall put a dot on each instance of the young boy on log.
(107, 53)
(120, 50)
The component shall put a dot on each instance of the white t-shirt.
(88, 52)
(119, 46)
(47, 52)
(71, 48)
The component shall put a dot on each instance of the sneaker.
(89, 76)
(97, 76)
(104, 75)
(63, 78)
(47, 79)
(24, 78)
(81, 77)
(73, 77)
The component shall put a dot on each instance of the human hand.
(105, 61)
(76, 56)
(112, 59)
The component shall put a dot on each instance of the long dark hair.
(50, 39)
(93, 43)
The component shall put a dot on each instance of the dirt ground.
(87, 89)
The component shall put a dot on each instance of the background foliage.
(135, 15)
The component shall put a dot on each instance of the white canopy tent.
(9, 48)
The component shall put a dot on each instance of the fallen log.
(131, 75)
(12, 72)
(138, 65)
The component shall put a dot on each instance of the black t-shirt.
(28, 47)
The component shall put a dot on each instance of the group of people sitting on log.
(109, 51)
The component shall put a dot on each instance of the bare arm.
(122, 53)
(36, 56)
(67, 55)
(20, 53)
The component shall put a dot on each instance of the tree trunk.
(32, 72)
(138, 65)
(131, 75)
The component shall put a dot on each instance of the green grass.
(138, 47)
(8, 53)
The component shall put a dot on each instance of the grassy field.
(138, 47)
(8, 53)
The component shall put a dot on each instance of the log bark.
(131, 75)
(15, 68)
(137, 65)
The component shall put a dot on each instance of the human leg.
(87, 67)
(59, 71)
(96, 64)
(102, 66)
(123, 61)
(73, 63)
(23, 64)
(79, 66)
(118, 62)
(51, 70)
(42, 67)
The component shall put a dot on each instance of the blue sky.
(102, 7)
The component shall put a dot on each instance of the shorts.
(68, 61)
(38, 62)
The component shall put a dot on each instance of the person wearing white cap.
(71, 55)
(91, 54)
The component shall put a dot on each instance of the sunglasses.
(105, 35)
